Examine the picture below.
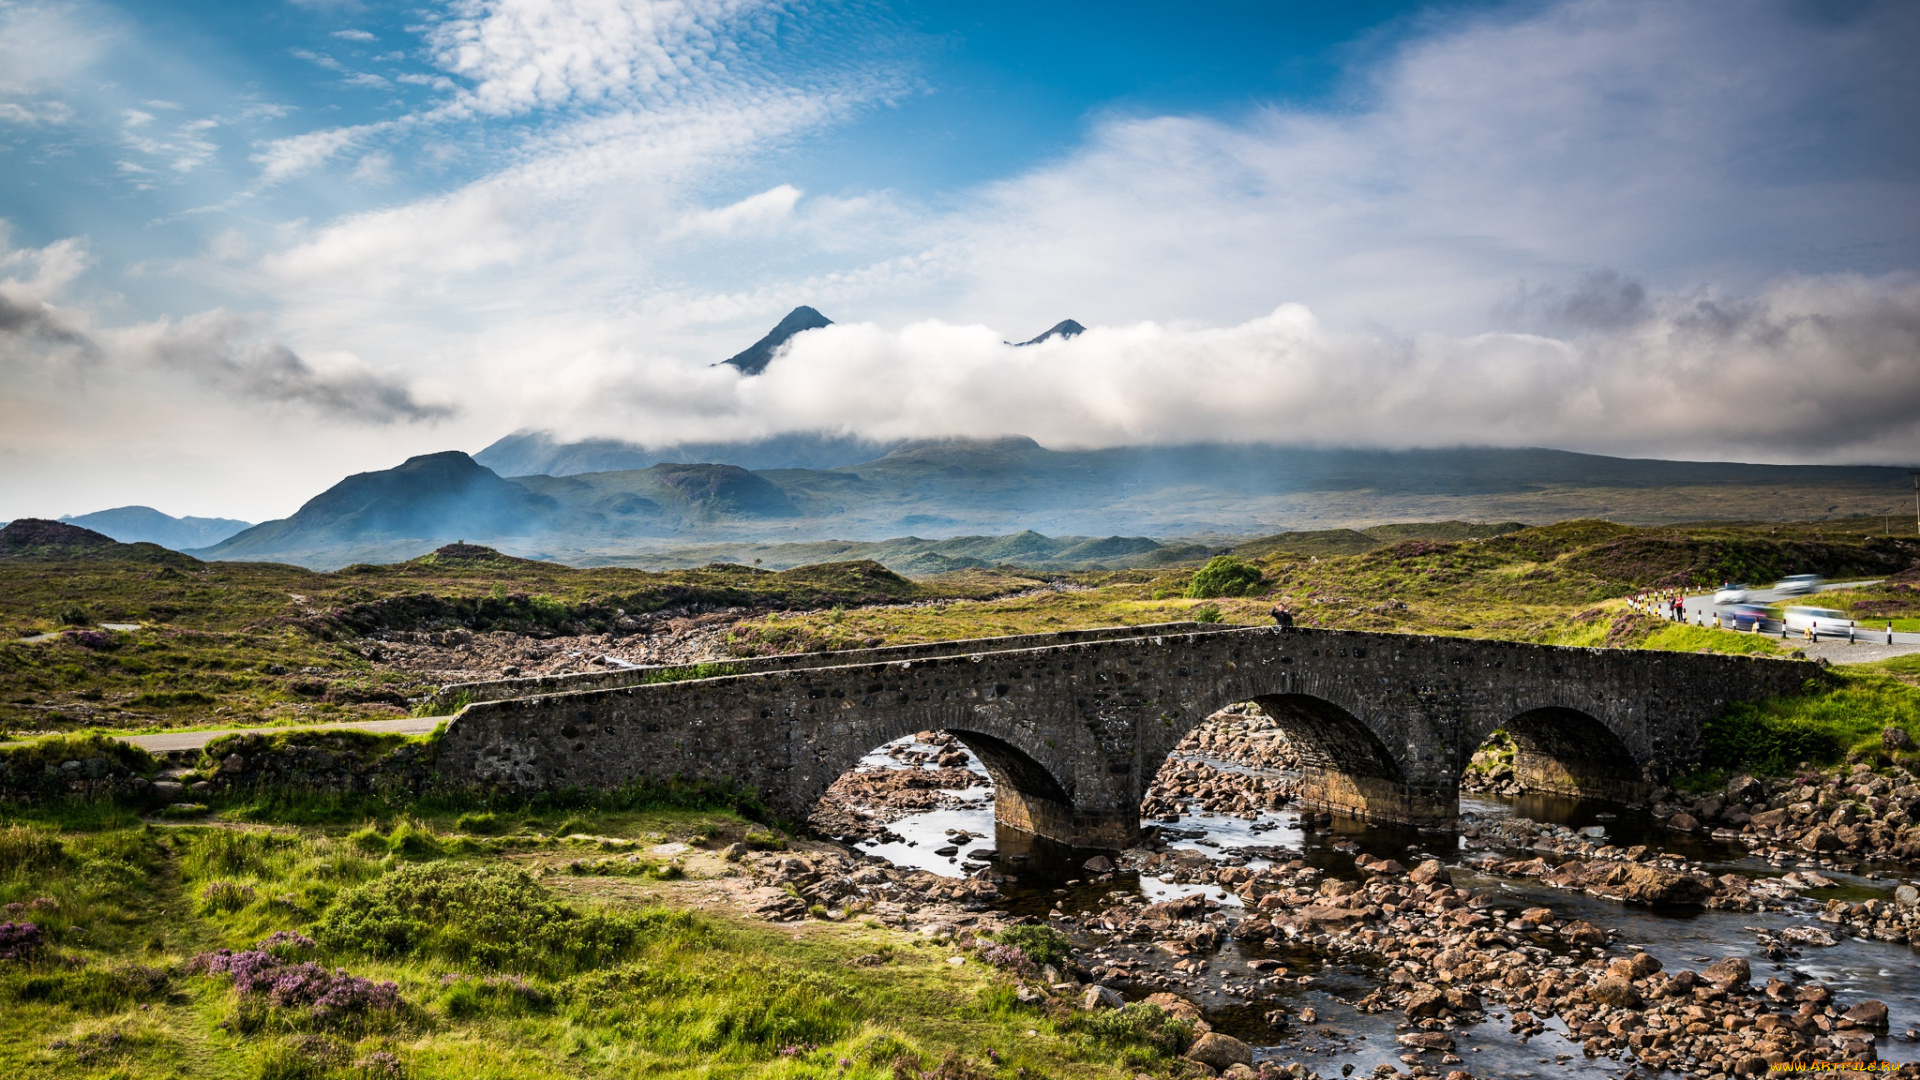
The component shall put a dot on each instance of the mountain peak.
(754, 358)
(1065, 328)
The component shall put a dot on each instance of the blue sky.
(251, 247)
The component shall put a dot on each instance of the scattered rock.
(1220, 1051)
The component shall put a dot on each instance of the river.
(1050, 881)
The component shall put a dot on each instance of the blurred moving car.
(1822, 621)
(1730, 594)
(1799, 584)
(1750, 617)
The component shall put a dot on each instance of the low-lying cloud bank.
(1818, 369)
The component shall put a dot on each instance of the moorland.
(457, 933)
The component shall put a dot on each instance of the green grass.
(1836, 717)
(238, 644)
(1557, 584)
(499, 971)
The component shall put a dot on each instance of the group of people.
(1667, 605)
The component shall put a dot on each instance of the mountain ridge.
(144, 524)
(754, 359)
(1013, 485)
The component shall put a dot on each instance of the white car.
(1798, 584)
(1732, 594)
(1823, 621)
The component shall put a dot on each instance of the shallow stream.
(1050, 880)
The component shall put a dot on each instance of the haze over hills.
(144, 524)
(995, 488)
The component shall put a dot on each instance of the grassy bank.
(1838, 718)
(426, 943)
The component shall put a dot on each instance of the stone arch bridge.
(1074, 726)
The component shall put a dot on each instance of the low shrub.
(1043, 945)
(1224, 575)
(221, 897)
(265, 982)
(89, 989)
(491, 917)
(1137, 1027)
(20, 940)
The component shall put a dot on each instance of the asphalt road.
(1700, 611)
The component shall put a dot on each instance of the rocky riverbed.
(1595, 941)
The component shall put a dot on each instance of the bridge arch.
(1561, 750)
(1033, 778)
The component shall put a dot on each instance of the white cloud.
(218, 348)
(1804, 369)
(1692, 140)
(753, 214)
(283, 159)
(354, 35)
(374, 168)
(521, 55)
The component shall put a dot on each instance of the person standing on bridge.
(1282, 618)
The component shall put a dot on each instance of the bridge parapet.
(454, 695)
(1073, 731)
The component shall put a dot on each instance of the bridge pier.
(1377, 800)
(1063, 824)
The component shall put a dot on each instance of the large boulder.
(1431, 872)
(1219, 1051)
(1728, 972)
(1615, 993)
(1869, 1014)
(1640, 884)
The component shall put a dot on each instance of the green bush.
(1207, 613)
(1043, 944)
(1224, 575)
(491, 917)
(1139, 1026)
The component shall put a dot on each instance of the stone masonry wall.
(1078, 729)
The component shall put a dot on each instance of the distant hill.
(433, 497)
(1314, 501)
(754, 359)
(144, 524)
(40, 540)
(1355, 541)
